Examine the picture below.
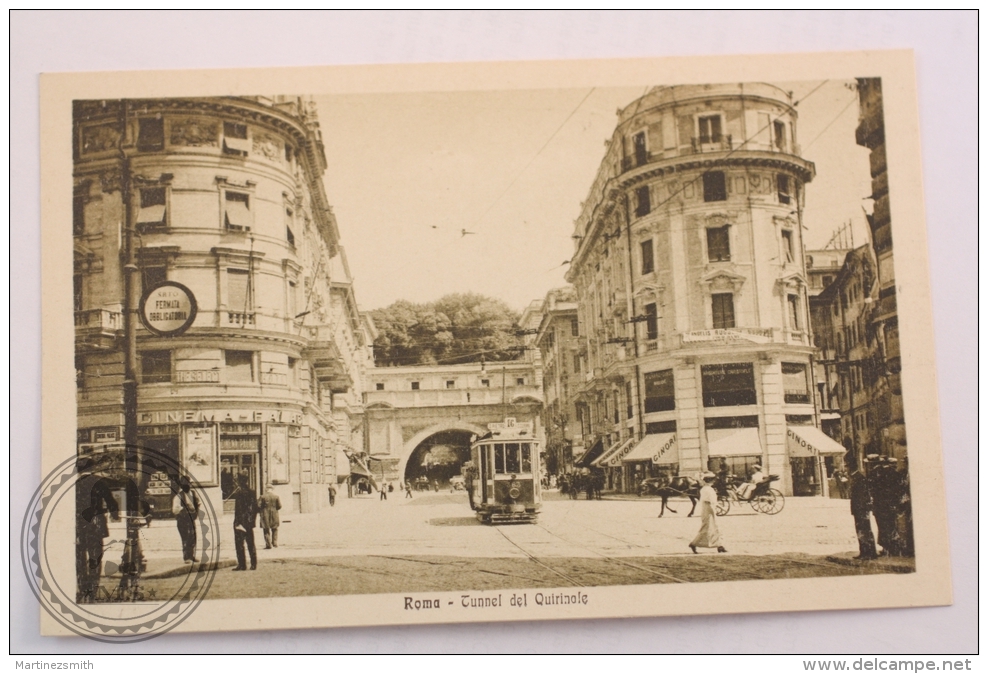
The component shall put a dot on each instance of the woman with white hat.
(709, 534)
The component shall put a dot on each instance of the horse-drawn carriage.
(763, 498)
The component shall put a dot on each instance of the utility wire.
(817, 137)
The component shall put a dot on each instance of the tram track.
(536, 560)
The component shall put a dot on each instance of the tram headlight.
(515, 490)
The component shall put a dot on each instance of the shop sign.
(245, 444)
(241, 429)
(165, 429)
(168, 309)
(197, 376)
(226, 416)
(663, 450)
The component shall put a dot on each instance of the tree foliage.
(457, 328)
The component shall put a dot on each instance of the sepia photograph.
(408, 353)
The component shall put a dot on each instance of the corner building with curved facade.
(225, 196)
(692, 293)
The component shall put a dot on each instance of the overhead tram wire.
(831, 123)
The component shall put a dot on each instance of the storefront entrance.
(233, 464)
(805, 476)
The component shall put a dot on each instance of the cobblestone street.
(433, 542)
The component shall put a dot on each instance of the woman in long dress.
(709, 534)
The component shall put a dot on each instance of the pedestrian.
(885, 486)
(384, 491)
(860, 510)
(269, 505)
(332, 495)
(185, 507)
(840, 479)
(244, 521)
(94, 500)
(435, 484)
(709, 534)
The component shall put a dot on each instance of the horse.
(679, 486)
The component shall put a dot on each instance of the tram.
(504, 481)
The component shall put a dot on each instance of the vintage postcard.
(456, 343)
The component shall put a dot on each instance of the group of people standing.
(882, 490)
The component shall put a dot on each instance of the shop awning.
(659, 448)
(342, 463)
(612, 457)
(590, 455)
(733, 442)
(811, 441)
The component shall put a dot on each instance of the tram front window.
(526, 457)
(511, 463)
(498, 458)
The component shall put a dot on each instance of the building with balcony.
(224, 196)
(870, 133)
(559, 344)
(692, 292)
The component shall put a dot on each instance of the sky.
(410, 172)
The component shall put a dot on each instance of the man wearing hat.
(860, 509)
(709, 534)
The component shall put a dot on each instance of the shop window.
(379, 386)
(237, 216)
(714, 186)
(799, 419)
(779, 131)
(728, 385)
(709, 127)
(660, 391)
(415, 386)
(787, 248)
(641, 148)
(651, 321)
(794, 384)
(574, 327)
(739, 466)
(239, 366)
(151, 214)
(656, 427)
(77, 302)
(152, 276)
(782, 183)
(78, 214)
(643, 201)
(235, 139)
(629, 400)
(719, 244)
(794, 322)
(150, 134)
(156, 367)
(722, 306)
(648, 257)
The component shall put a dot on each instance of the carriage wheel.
(763, 503)
(777, 504)
(723, 506)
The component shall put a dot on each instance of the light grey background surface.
(946, 53)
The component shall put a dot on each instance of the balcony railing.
(713, 144)
(102, 319)
(240, 318)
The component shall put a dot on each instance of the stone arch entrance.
(454, 436)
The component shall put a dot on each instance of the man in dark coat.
(94, 500)
(244, 521)
(860, 510)
(185, 507)
(270, 504)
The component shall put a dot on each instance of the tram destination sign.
(168, 309)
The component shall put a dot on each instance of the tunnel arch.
(419, 438)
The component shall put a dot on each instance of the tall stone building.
(889, 417)
(692, 291)
(225, 197)
(558, 341)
